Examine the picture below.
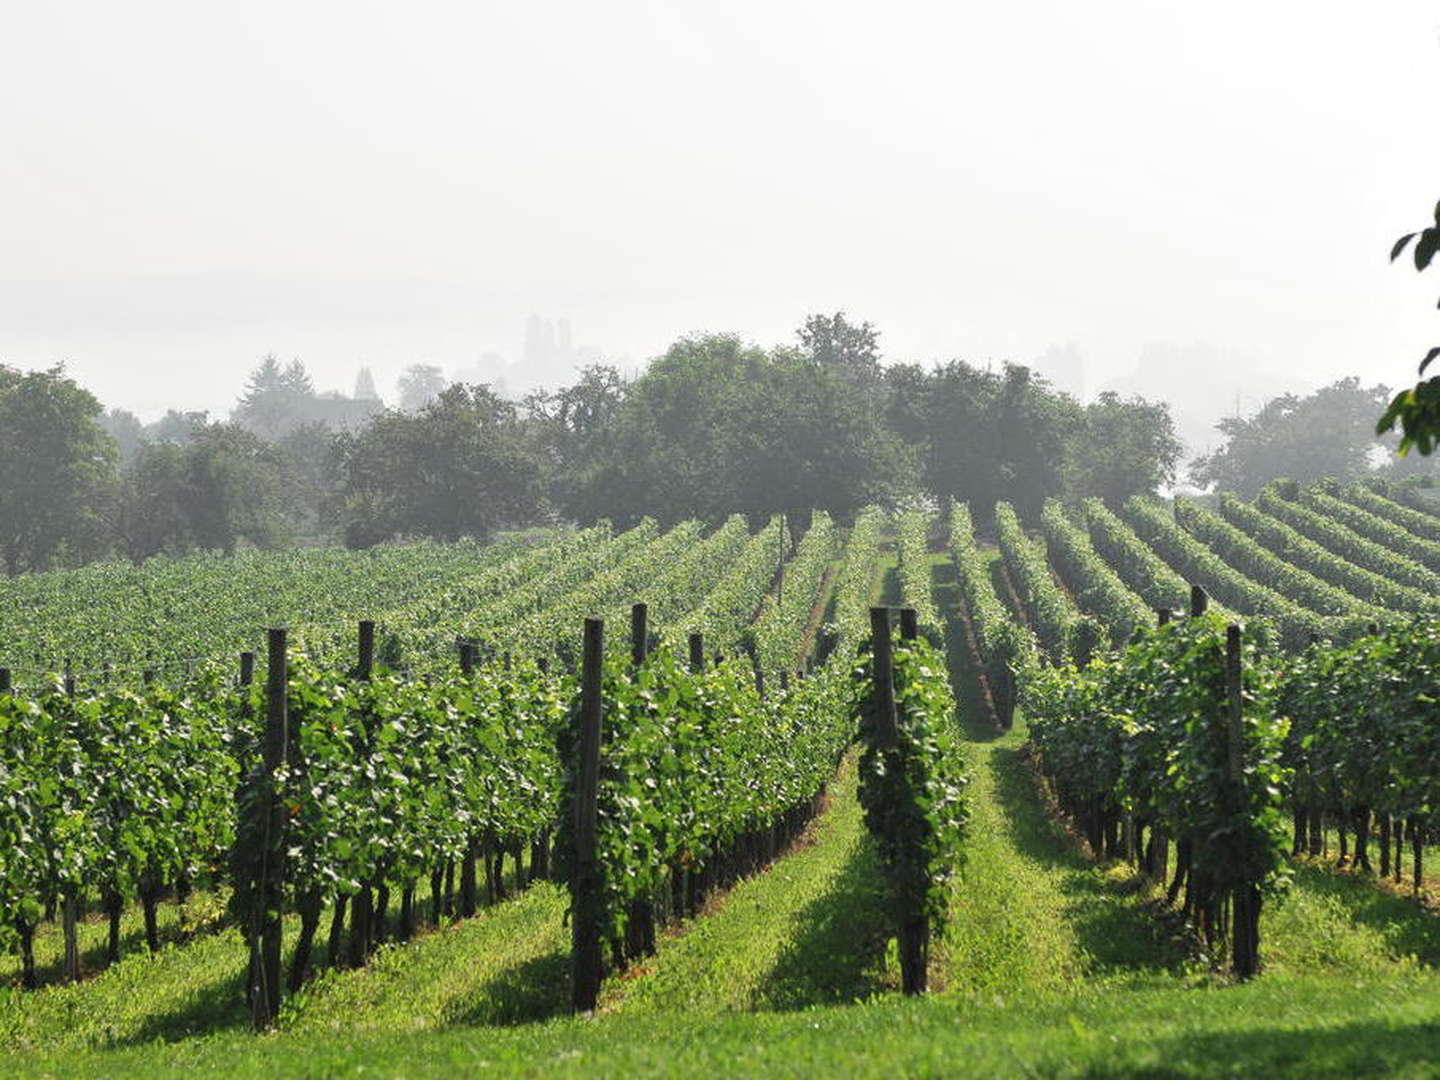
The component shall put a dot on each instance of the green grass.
(810, 930)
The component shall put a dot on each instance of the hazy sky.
(184, 187)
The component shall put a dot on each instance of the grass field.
(1051, 965)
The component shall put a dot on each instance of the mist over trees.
(715, 425)
(1330, 433)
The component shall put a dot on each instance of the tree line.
(714, 426)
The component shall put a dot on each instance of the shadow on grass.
(1407, 929)
(1368, 1048)
(215, 1007)
(1112, 930)
(838, 955)
(535, 990)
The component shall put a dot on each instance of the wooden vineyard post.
(640, 932)
(467, 863)
(363, 904)
(366, 665)
(1199, 600)
(915, 929)
(265, 920)
(883, 674)
(1245, 904)
(1163, 616)
(586, 965)
(5, 684)
(697, 652)
(247, 668)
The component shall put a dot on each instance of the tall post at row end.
(366, 666)
(1199, 600)
(882, 673)
(266, 924)
(1245, 906)
(697, 652)
(586, 962)
(639, 633)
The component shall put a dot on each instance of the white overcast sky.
(186, 186)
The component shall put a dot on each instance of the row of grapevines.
(1147, 732)
(1279, 500)
(725, 613)
(780, 627)
(1060, 627)
(1250, 557)
(1153, 524)
(1295, 549)
(674, 595)
(420, 630)
(120, 793)
(1363, 736)
(1422, 523)
(1419, 494)
(693, 766)
(1134, 560)
(1007, 648)
(557, 625)
(912, 786)
(168, 610)
(1096, 587)
(392, 778)
(855, 581)
(912, 536)
(1372, 526)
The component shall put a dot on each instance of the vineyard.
(955, 790)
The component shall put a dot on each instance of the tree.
(1417, 409)
(223, 486)
(717, 426)
(177, 427)
(127, 431)
(459, 467)
(57, 471)
(1330, 433)
(1125, 447)
(572, 430)
(842, 347)
(276, 399)
(419, 386)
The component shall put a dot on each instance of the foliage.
(912, 541)
(1134, 560)
(459, 467)
(1062, 630)
(1249, 557)
(1327, 434)
(1417, 409)
(1360, 510)
(1297, 550)
(1097, 588)
(57, 469)
(1281, 501)
(1008, 650)
(1232, 588)
(1148, 730)
(784, 616)
(691, 763)
(912, 787)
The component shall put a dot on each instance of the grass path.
(810, 930)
